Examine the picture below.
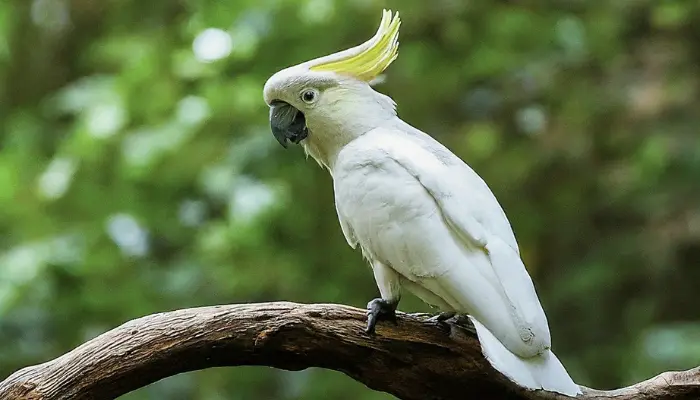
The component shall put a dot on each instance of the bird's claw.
(442, 317)
(379, 310)
(460, 320)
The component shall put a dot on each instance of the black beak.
(287, 123)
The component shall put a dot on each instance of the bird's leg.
(384, 308)
(380, 310)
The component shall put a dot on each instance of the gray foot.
(461, 320)
(379, 310)
(443, 316)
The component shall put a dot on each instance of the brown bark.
(414, 360)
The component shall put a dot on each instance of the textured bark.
(414, 360)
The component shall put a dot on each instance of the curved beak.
(287, 123)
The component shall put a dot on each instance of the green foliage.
(138, 173)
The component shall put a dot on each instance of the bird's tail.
(541, 372)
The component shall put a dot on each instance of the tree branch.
(415, 360)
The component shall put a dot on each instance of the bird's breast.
(391, 215)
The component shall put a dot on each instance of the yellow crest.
(369, 59)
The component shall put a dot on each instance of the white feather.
(415, 207)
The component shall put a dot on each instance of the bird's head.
(326, 101)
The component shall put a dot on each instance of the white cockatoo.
(423, 218)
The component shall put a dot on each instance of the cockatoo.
(423, 218)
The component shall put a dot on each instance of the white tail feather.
(542, 372)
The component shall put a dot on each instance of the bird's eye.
(308, 96)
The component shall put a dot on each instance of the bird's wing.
(347, 230)
(473, 214)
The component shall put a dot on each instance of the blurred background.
(138, 173)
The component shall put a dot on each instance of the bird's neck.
(324, 151)
(325, 146)
(327, 137)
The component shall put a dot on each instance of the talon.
(379, 310)
(442, 317)
(456, 319)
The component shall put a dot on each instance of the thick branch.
(414, 360)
